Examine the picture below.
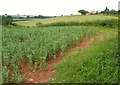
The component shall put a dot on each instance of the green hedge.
(113, 23)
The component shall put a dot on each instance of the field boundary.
(43, 76)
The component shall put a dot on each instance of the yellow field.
(33, 22)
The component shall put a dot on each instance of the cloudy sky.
(54, 7)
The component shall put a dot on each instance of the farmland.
(38, 44)
(33, 22)
(96, 62)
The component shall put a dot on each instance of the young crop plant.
(36, 46)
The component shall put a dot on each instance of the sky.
(53, 7)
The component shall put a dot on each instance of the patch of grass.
(96, 64)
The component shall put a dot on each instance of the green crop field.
(37, 45)
(0, 54)
(96, 63)
(33, 22)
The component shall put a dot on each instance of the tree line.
(6, 20)
(106, 11)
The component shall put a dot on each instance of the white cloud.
(53, 7)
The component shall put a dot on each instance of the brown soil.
(43, 76)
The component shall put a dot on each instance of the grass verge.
(96, 64)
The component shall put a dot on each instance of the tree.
(6, 20)
(109, 12)
(106, 11)
(83, 12)
(113, 12)
(97, 12)
(28, 17)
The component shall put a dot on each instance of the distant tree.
(6, 20)
(97, 12)
(109, 12)
(113, 12)
(28, 17)
(83, 12)
(106, 10)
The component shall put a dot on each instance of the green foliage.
(83, 12)
(39, 24)
(0, 20)
(119, 29)
(5, 74)
(28, 17)
(17, 77)
(112, 23)
(106, 11)
(72, 23)
(6, 20)
(37, 45)
(96, 64)
(109, 12)
(32, 22)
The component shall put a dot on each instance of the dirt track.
(43, 76)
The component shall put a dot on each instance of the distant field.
(33, 22)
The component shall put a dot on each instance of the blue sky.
(54, 7)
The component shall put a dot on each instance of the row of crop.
(112, 23)
(36, 45)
